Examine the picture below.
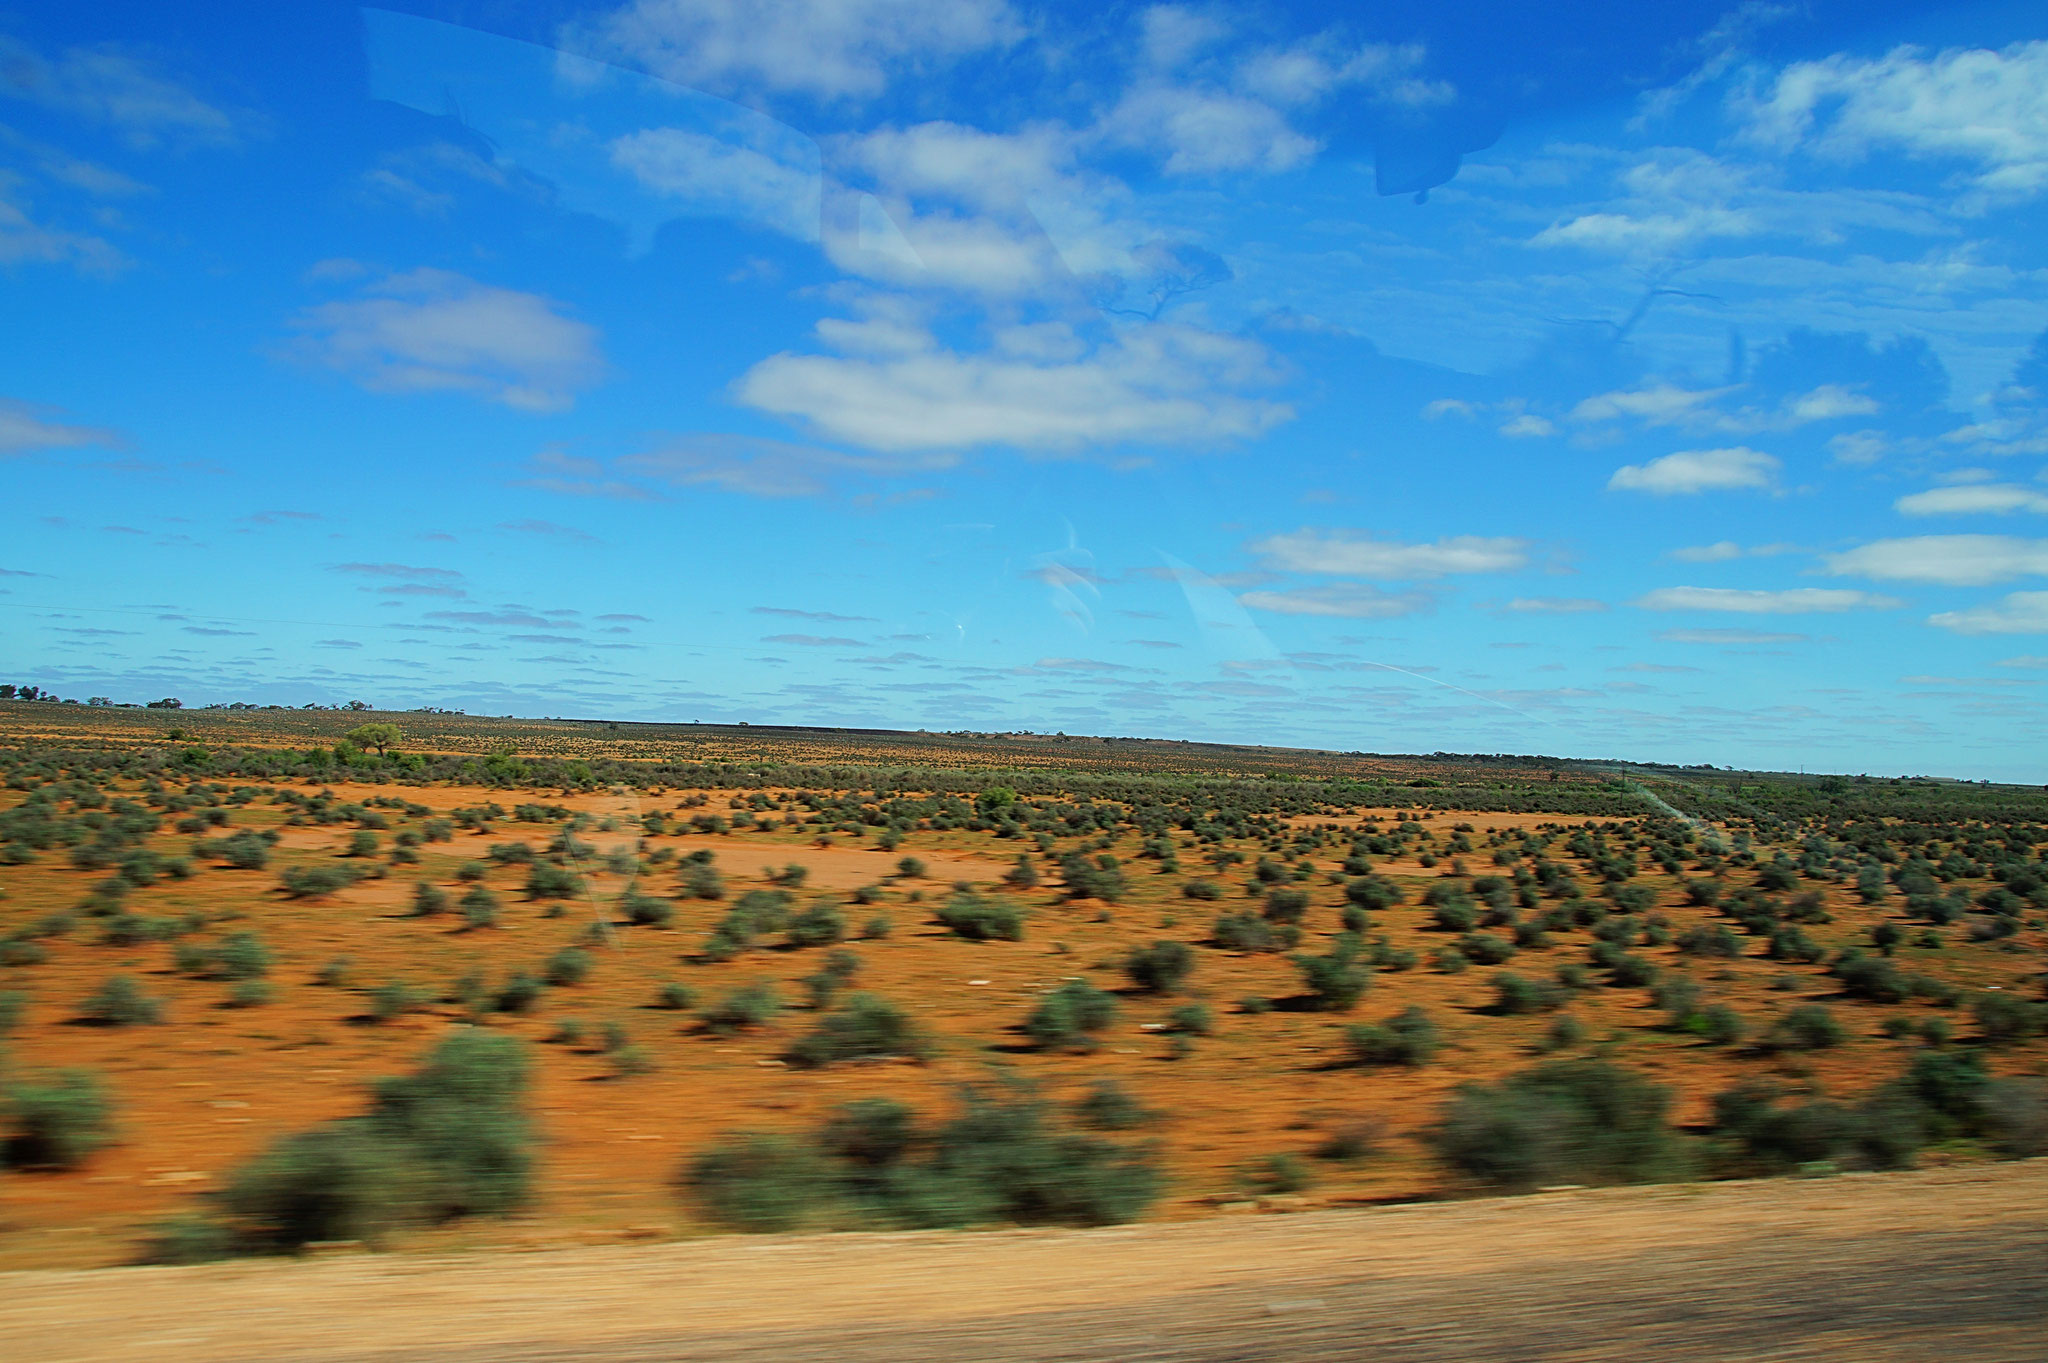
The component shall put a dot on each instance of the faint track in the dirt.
(1942, 1265)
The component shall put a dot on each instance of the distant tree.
(167, 703)
(7, 691)
(357, 705)
(379, 736)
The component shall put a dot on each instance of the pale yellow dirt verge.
(1941, 1264)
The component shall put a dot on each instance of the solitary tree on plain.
(378, 736)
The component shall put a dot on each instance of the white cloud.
(1728, 637)
(1351, 553)
(1554, 605)
(734, 174)
(1659, 405)
(1201, 132)
(23, 240)
(830, 49)
(1790, 601)
(1700, 409)
(1527, 426)
(436, 331)
(1973, 499)
(1982, 107)
(117, 88)
(1034, 388)
(1951, 560)
(2026, 660)
(25, 427)
(767, 468)
(2018, 613)
(1347, 600)
(1691, 471)
(1723, 551)
(1856, 448)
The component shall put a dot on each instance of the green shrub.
(1515, 994)
(547, 881)
(394, 998)
(188, 1239)
(1764, 1137)
(519, 994)
(311, 882)
(981, 919)
(1276, 1174)
(1336, 980)
(910, 868)
(2003, 1017)
(479, 908)
(428, 900)
(120, 1002)
(868, 1027)
(1809, 1027)
(13, 1003)
(55, 1121)
(2015, 1117)
(702, 881)
(876, 928)
(762, 1183)
(1285, 904)
(1249, 932)
(1201, 889)
(569, 966)
(1070, 1015)
(1098, 877)
(818, 926)
(250, 994)
(675, 997)
(1372, 893)
(645, 910)
(241, 956)
(1718, 1025)
(1870, 977)
(1486, 948)
(1566, 1121)
(1109, 1106)
(1160, 968)
(451, 1139)
(748, 1006)
(1410, 1037)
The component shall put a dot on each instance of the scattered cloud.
(812, 640)
(1727, 637)
(769, 468)
(1037, 387)
(1973, 499)
(1354, 553)
(2018, 613)
(826, 49)
(1553, 605)
(1790, 601)
(816, 617)
(549, 530)
(1346, 600)
(1950, 560)
(119, 88)
(401, 570)
(25, 428)
(1977, 106)
(1693, 471)
(431, 330)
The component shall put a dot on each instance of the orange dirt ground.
(210, 1087)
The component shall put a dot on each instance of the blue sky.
(1670, 386)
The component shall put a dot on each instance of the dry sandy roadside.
(1944, 1264)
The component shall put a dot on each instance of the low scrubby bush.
(1070, 1016)
(1160, 968)
(1004, 1156)
(981, 918)
(1409, 1037)
(1566, 1121)
(868, 1027)
(55, 1121)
